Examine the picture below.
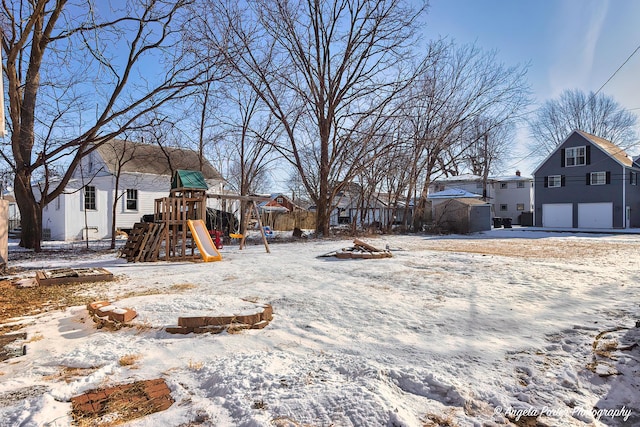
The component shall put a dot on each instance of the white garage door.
(559, 215)
(595, 215)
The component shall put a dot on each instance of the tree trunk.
(323, 216)
(323, 212)
(30, 212)
(114, 211)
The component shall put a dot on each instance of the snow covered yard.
(451, 331)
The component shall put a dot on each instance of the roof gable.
(152, 159)
(616, 153)
(610, 148)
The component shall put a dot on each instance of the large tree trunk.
(30, 212)
(323, 212)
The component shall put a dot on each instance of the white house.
(350, 205)
(509, 195)
(143, 173)
(513, 196)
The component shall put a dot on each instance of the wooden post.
(264, 237)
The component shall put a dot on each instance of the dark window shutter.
(608, 177)
(588, 179)
(546, 181)
(588, 154)
(563, 181)
(562, 158)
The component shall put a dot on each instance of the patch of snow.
(459, 335)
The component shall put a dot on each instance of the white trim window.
(633, 178)
(131, 202)
(90, 198)
(504, 185)
(554, 181)
(520, 184)
(598, 178)
(520, 206)
(575, 156)
(504, 208)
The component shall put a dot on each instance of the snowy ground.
(452, 331)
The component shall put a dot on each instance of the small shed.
(463, 215)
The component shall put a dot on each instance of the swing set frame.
(252, 202)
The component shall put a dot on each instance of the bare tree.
(460, 85)
(122, 154)
(76, 80)
(323, 69)
(597, 114)
(251, 133)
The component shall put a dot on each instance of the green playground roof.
(188, 179)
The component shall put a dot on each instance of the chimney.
(517, 173)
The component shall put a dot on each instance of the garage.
(595, 215)
(558, 215)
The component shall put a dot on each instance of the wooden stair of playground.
(143, 244)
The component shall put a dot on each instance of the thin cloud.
(579, 26)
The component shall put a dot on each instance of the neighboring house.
(85, 209)
(14, 212)
(351, 207)
(467, 182)
(587, 182)
(510, 196)
(278, 203)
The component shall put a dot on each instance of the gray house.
(587, 182)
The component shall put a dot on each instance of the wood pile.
(359, 250)
(143, 244)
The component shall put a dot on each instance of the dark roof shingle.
(152, 159)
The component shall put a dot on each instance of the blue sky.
(568, 43)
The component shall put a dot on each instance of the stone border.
(218, 324)
(104, 310)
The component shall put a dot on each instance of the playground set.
(179, 226)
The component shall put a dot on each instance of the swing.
(236, 234)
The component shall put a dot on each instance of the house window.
(575, 156)
(520, 184)
(132, 199)
(503, 185)
(90, 198)
(58, 203)
(279, 200)
(633, 178)
(554, 181)
(520, 206)
(597, 178)
(504, 208)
